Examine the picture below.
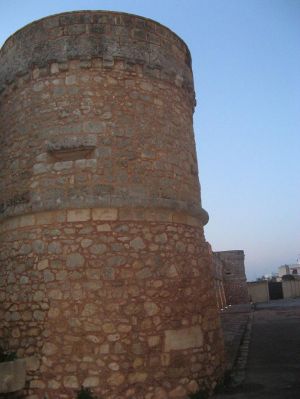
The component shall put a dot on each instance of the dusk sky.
(246, 64)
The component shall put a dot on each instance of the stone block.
(91, 382)
(105, 214)
(12, 376)
(74, 260)
(27, 220)
(184, 338)
(71, 381)
(78, 215)
(50, 217)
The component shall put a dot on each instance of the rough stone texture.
(218, 267)
(12, 376)
(233, 274)
(105, 273)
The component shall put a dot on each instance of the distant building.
(293, 269)
(286, 284)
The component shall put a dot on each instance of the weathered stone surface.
(74, 260)
(91, 382)
(71, 381)
(137, 243)
(183, 338)
(78, 215)
(12, 376)
(50, 349)
(105, 273)
(116, 379)
(105, 214)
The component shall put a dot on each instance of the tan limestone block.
(104, 214)
(27, 220)
(116, 379)
(178, 392)
(43, 264)
(137, 377)
(78, 215)
(153, 340)
(91, 382)
(104, 227)
(49, 349)
(54, 384)
(37, 384)
(11, 224)
(71, 381)
(50, 217)
(184, 338)
(180, 218)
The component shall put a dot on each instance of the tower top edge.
(90, 13)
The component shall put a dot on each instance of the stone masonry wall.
(218, 271)
(111, 301)
(234, 276)
(105, 273)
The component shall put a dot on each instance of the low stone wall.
(258, 291)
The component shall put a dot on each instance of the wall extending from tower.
(105, 272)
(234, 276)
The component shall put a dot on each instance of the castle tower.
(105, 275)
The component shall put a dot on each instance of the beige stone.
(89, 309)
(114, 366)
(184, 338)
(124, 328)
(104, 348)
(32, 363)
(108, 328)
(91, 382)
(104, 214)
(160, 393)
(27, 220)
(78, 215)
(137, 243)
(151, 308)
(50, 217)
(43, 264)
(193, 386)
(55, 294)
(54, 384)
(12, 376)
(75, 260)
(71, 381)
(116, 379)
(49, 349)
(138, 362)
(153, 341)
(86, 242)
(104, 227)
(178, 392)
(137, 377)
(39, 384)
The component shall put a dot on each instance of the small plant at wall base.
(85, 393)
(7, 356)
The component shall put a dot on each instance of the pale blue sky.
(246, 63)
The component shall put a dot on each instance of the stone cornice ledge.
(103, 215)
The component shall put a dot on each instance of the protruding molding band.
(103, 215)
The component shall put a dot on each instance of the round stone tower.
(105, 272)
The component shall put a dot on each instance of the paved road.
(273, 367)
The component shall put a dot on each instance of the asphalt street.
(273, 361)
